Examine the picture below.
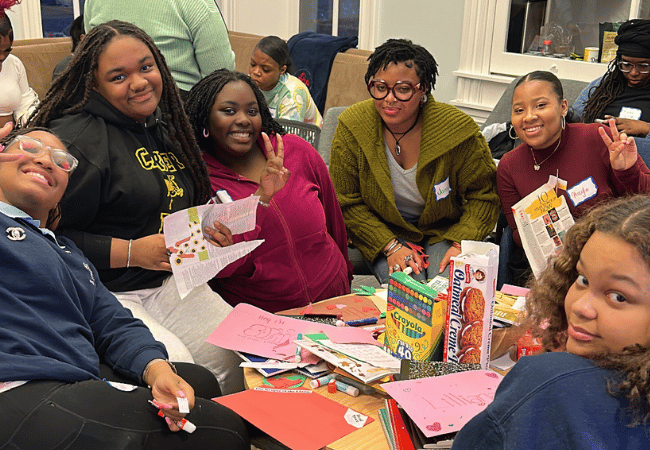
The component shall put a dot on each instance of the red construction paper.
(300, 419)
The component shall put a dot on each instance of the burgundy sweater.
(581, 154)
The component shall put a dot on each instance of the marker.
(357, 323)
(298, 349)
(322, 381)
(350, 390)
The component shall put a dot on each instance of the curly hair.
(628, 219)
(404, 51)
(70, 92)
(610, 87)
(203, 95)
(55, 214)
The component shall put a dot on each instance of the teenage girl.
(591, 307)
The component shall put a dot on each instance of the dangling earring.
(563, 122)
(510, 133)
(206, 133)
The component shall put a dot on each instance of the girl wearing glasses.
(623, 92)
(65, 339)
(413, 176)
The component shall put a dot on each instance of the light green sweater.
(451, 148)
(190, 34)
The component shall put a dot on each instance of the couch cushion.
(39, 60)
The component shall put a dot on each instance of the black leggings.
(94, 415)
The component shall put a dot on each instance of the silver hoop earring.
(206, 133)
(563, 122)
(510, 133)
(424, 100)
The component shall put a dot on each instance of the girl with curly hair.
(591, 308)
(304, 256)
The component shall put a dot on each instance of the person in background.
(287, 97)
(77, 33)
(623, 93)
(304, 256)
(413, 176)
(17, 99)
(119, 113)
(190, 33)
(591, 307)
(65, 340)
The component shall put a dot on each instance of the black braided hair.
(203, 95)
(611, 86)
(70, 92)
(402, 51)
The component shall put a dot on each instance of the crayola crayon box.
(415, 318)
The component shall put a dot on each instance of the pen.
(298, 358)
(357, 323)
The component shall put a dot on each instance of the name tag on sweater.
(442, 189)
(582, 191)
(630, 113)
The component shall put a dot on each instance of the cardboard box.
(415, 319)
(472, 291)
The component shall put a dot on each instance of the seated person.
(591, 307)
(410, 172)
(65, 338)
(77, 33)
(138, 162)
(17, 99)
(623, 92)
(304, 257)
(286, 95)
(574, 152)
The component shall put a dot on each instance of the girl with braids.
(118, 111)
(591, 307)
(17, 99)
(413, 176)
(623, 93)
(271, 69)
(64, 335)
(304, 255)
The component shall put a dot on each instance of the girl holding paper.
(117, 109)
(591, 307)
(304, 257)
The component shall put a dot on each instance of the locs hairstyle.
(404, 51)
(70, 92)
(203, 95)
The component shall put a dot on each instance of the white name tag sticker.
(582, 191)
(630, 113)
(442, 189)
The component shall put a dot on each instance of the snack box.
(415, 318)
(472, 292)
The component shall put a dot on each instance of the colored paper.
(351, 307)
(440, 405)
(300, 419)
(252, 330)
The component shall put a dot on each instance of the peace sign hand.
(6, 157)
(275, 175)
(622, 149)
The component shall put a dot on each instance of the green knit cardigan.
(451, 148)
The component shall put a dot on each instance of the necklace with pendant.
(398, 149)
(537, 165)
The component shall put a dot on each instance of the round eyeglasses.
(402, 90)
(32, 146)
(626, 67)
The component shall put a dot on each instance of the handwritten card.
(440, 405)
(253, 330)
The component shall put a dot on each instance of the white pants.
(183, 325)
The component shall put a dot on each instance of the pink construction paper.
(253, 330)
(440, 405)
(514, 290)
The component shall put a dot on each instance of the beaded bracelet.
(456, 245)
(264, 204)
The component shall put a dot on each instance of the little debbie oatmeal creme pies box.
(472, 291)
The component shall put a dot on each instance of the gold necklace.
(536, 166)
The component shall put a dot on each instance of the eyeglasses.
(402, 90)
(62, 159)
(626, 67)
